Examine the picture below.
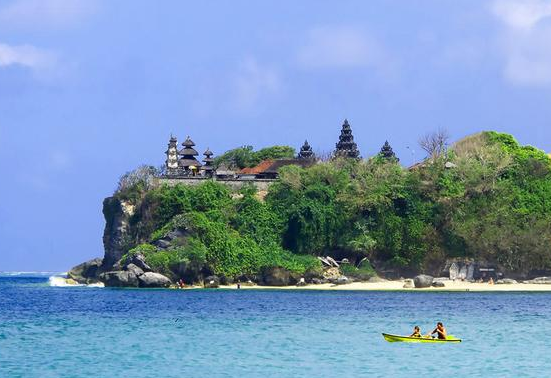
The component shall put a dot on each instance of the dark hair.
(440, 324)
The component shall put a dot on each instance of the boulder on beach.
(151, 279)
(276, 276)
(342, 280)
(211, 282)
(408, 284)
(119, 278)
(506, 281)
(422, 280)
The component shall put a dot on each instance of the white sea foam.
(61, 281)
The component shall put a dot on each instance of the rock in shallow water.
(422, 280)
(85, 272)
(151, 279)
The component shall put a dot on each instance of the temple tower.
(387, 153)
(208, 169)
(171, 162)
(306, 151)
(188, 163)
(346, 147)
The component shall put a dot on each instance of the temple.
(183, 166)
(346, 147)
(306, 152)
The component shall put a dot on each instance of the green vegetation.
(245, 156)
(486, 197)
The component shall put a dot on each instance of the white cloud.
(46, 13)
(27, 56)
(525, 40)
(252, 82)
(339, 47)
(522, 14)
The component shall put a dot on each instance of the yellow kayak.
(408, 339)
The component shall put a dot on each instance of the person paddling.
(440, 330)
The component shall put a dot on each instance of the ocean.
(75, 332)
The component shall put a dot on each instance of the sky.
(91, 89)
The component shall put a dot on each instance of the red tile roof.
(263, 166)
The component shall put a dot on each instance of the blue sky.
(90, 89)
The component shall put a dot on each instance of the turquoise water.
(82, 332)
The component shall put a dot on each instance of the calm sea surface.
(90, 332)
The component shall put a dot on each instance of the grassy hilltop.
(486, 197)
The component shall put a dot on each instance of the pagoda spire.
(207, 168)
(188, 163)
(306, 151)
(171, 162)
(346, 147)
(387, 153)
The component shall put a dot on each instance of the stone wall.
(234, 184)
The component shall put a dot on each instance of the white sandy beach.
(398, 285)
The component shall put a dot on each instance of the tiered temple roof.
(208, 160)
(187, 155)
(306, 151)
(346, 147)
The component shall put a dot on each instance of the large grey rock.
(342, 280)
(151, 279)
(408, 284)
(86, 272)
(211, 282)
(422, 280)
(139, 261)
(134, 269)
(376, 279)
(119, 278)
(276, 276)
(506, 281)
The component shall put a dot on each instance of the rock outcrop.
(86, 272)
(119, 278)
(151, 279)
(422, 280)
(134, 269)
(138, 260)
(117, 215)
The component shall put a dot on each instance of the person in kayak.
(416, 332)
(440, 330)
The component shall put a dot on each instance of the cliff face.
(116, 237)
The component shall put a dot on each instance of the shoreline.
(451, 286)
